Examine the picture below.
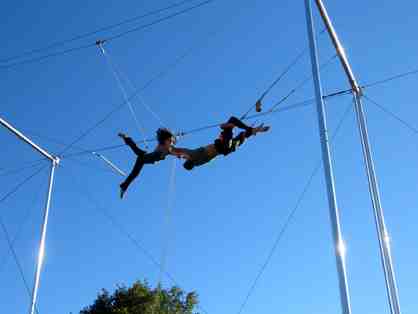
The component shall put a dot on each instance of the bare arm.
(179, 152)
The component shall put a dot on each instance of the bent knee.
(188, 165)
(233, 120)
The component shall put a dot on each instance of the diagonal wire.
(302, 83)
(391, 78)
(294, 106)
(141, 99)
(20, 229)
(192, 131)
(392, 114)
(177, 61)
(94, 32)
(7, 234)
(141, 27)
(46, 56)
(287, 69)
(49, 139)
(30, 165)
(291, 216)
(85, 46)
(137, 244)
(124, 93)
(277, 80)
(60, 143)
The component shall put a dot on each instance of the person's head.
(165, 137)
(188, 165)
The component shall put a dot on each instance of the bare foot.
(122, 191)
(261, 129)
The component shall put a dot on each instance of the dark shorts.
(199, 156)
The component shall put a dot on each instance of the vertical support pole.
(382, 233)
(329, 177)
(54, 163)
(41, 253)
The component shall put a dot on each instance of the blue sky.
(227, 214)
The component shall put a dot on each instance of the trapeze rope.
(125, 95)
(167, 219)
(141, 99)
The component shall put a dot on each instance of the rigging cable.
(275, 82)
(141, 99)
(124, 93)
(82, 163)
(392, 114)
(140, 89)
(287, 69)
(7, 234)
(391, 78)
(291, 216)
(30, 165)
(141, 27)
(215, 125)
(167, 218)
(192, 131)
(138, 245)
(110, 38)
(302, 83)
(123, 77)
(35, 200)
(94, 32)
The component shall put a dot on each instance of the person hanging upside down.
(225, 144)
(164, 147)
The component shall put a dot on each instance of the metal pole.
(26, 139)
(110, 164)
(329, 177)
(338, 46)
(383, 235)
(41, 253)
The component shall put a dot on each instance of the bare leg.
(240, 139)
(235, 122)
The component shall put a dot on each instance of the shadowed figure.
(225, 144)
(165, 141)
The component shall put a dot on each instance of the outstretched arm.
(179, 152)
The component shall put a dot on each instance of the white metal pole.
(41, 253)
(54, 163)
(26, 139)
(382, 232)
(338, 46)
(329, 177)
(110, 164)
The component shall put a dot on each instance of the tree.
(142, 299)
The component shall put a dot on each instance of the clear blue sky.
(226, 215)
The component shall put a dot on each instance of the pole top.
(56, 160)
(100, 42)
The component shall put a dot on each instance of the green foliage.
(142, 299)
